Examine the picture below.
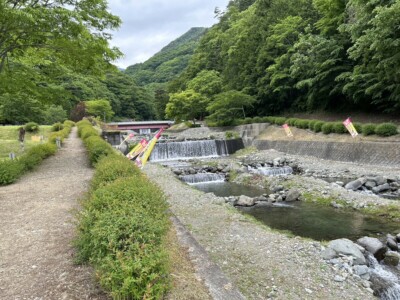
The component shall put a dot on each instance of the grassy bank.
(123, 225)
(11, 170)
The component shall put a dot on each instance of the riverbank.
(262, 263)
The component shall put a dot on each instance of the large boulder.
(373, 245)
(392, 243)
(245, 201)
(347, 247)
(380, 180)
(292, 195)
(355, 185)
(398, 237)
(381, 188)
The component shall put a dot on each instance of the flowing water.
(384, 281)
(320, 222)
(273, 171)
(195, 149)
(203, 178)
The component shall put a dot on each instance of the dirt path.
(36, 230)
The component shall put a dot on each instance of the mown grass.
(9, 139)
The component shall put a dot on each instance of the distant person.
(21, 134)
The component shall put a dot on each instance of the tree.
(72, 32)
(186, 105)
(161, 100)
(99, 108)
(54, 114)
(207, 83)
(229, 105)
(20, 108)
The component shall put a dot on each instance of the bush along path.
(36, 230)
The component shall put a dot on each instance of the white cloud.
(149, 25)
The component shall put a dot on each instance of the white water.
(270, 171)
(390, 279)
(188, 150)
(203, 178)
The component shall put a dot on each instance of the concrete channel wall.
(377, 153)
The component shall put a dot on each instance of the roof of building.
(142, 123)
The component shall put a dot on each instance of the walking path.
(36, 230)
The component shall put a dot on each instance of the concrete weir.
(376, 153)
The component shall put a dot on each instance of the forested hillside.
(269, 56)
(169, 62)
(55, 59)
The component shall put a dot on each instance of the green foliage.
(302, 123)
(318, 126)
(54, 114)
(327, 128)
(358, 127)
(121, 229)
(10, 171)
(97, 148)
(291, 121)
(99, 108)
(257, 120)
(57, 127)
(186, 105)
(386, 129)
(311, 124)
(279, 120)
(165, 65)
(339, 128)
(31, 127)
(231, 135)
(229, 105)
(207, 83)
(368, 129)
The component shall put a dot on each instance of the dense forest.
(271, 56)
(56, 63)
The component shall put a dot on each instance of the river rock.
(381, 188)
(373, 245)
(292, 195)
(177, 171)
(370, 184)
(245, 201)
(392, 243)
(380, 180)
(261, 199)
(392, 258)
(347, 247)
(354, 185)
(361, 270)
(398, 237)
(328, 253)
(277, 188)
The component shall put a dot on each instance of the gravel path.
(36, 230)
(264, 264)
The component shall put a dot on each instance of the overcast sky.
(149, 25)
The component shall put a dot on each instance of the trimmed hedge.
(339, 128)
(327, 128)
(368, 129)
(11, 170)
(122, 227)
(386, 129)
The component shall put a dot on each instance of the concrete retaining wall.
(362, 152)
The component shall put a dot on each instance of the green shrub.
(358, 127)
(311, 124)
(10, 171)
(339, 128)
(97, 148)
(32, 127)
(386, 129)
(57, 127)
(257, 120)
(69, 123)
(279, 120)
(112, 167)
(302, 123)
(327, 128)
(368, 129)
(248, 121)
(318, 126)
(231, 135)
(121, 233)
(268, 119)
(88, 132)
(291, 121)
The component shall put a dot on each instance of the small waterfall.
(203, 178)
(273, 171)
(385, 283)
(189, 149)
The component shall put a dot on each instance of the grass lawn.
(9, 139)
